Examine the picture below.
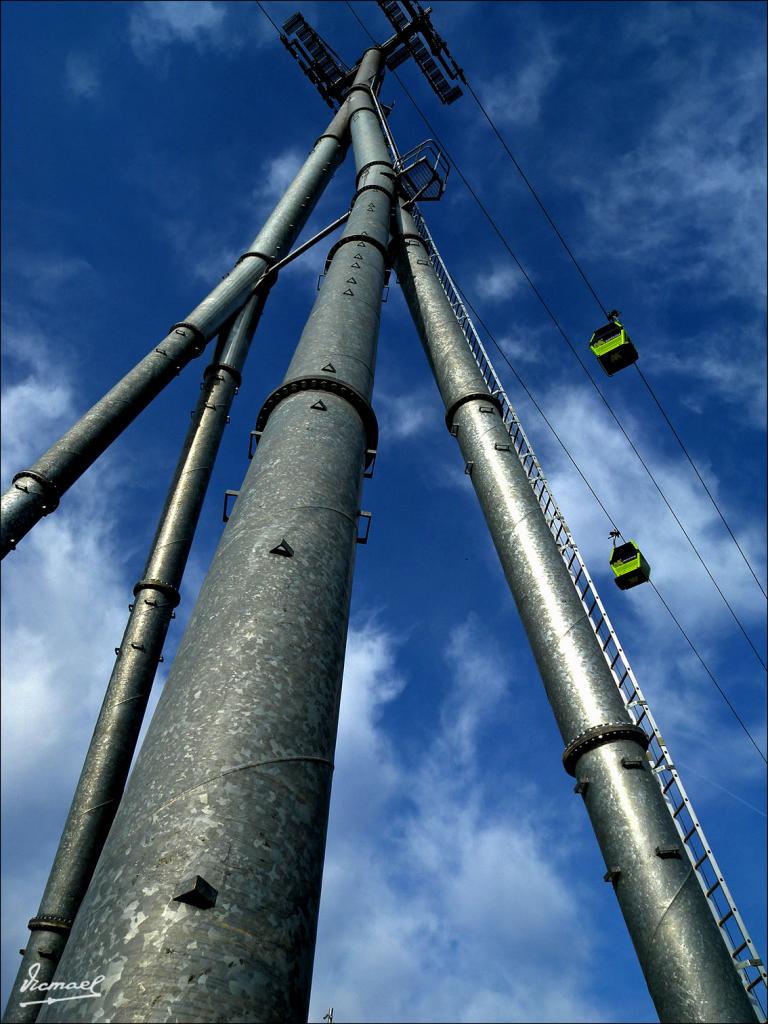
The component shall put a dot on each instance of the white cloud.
(501, 284)
(439, 904)
(516, 98)
(712, 369)
(670, 674)
(277, 173)
(157, 23)
(526, 345)
(46, 276)
(217, 27)
(690, 195)
(63, 612)
(81, 76)
(407, 415)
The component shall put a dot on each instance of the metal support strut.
(156, 594)
(36, 492)
(687, 968)
(230, 793)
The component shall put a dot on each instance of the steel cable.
(570, 344)
(597, 299)
(562, 444)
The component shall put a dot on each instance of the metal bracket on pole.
(253, 442)
(227, 507)
(363, 539)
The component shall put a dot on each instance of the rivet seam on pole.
(50, 923)
(379, 163)
(365, 239)
(198, 334)
(409, 235)
(50, 490)
(360, 87)
(257, 255)
(599, 735)
(473, 396)
(336, 387)
(167, 589)
(366, 188)
(215, 367)
(328, 135)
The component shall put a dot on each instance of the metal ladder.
(732, 928)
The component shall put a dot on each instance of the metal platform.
(423, 172)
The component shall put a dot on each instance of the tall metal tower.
(209, 864)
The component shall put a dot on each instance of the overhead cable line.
(535, 195)
(265, 12)
(562, 444)
(568, 341)
(588, 283)
(701, 479)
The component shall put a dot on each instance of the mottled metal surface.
(26, 502)
(686, 965)
(233, 781)
(112, 746)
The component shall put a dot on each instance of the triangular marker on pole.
(283, 548)
(348, 292)
(329, 368)
(351, 280)
(319, 404)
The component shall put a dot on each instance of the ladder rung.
(701, 859)
(711, 889)
(736, 952)
(752, 984)
(665, 788)
(723, 919)
(689, 833)
(677, 810)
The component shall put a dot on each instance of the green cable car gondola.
(629, 566)
(612, 346)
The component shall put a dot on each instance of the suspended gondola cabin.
(629, 566)
(613, 348)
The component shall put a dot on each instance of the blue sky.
(143, 145)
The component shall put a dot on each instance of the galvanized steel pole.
(36, 492)
(689, 972)
(204, 903)
(112, 746)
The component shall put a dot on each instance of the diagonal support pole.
(36, 492)
(230, 793)
(156, 594)
(689, 972)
